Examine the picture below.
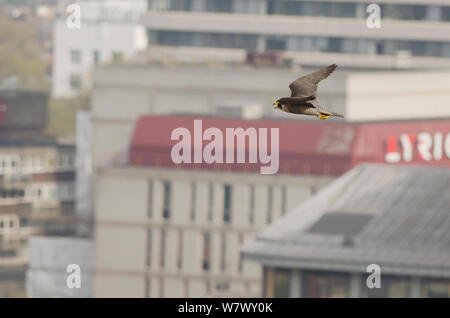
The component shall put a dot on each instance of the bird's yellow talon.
(323, 117)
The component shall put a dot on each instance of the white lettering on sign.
(424, 144)
(406, 143)
(428, 147)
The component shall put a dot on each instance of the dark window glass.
(96, 57)
(162, 256)
(193, 200)
(276, 44)
(325, 285)
(166, 201)
(281, 283)
(210, 202)
(223, 252)
(436, 288)
(206, 251)
(75, 81)
(391, 287)
(227, 204)
(201, 39)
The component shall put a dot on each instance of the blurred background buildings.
(139, 225)
(109, 33)
(37, 183)
(309, 32)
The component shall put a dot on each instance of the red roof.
(305, 147)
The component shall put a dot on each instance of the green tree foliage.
(62, 115)
(20, 54)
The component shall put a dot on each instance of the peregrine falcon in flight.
(303, 98)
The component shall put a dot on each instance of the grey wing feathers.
(307, 85)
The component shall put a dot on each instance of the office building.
(392, 220)
(174, 230)
(412, 35)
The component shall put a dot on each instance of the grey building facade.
(396, 218)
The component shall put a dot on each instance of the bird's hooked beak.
(275, 104)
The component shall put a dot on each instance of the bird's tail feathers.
(333, 114)
(337, 115)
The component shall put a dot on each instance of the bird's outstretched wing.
(307, 85)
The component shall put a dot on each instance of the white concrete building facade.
(169, 233)
(109, 33)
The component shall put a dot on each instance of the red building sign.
(424, 146)
(307, 147)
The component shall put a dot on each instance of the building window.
(75, 81)
(241, 242)
(278, 43)
(51, 161)
(147, 287)
(186, 288)
(325, 285)
(71, 160)
(222, 286)
(436, 288)
(223, 252)
(180, 250)
(227, 204)
(206, 251)
(252, 204)
(269, 205)
(210, 202)
(9, 224)
(202, 39)
(150, 199)
(162, 255)
(96, 57)
(166, 200)
(75, 56)
(193, 200)
(391, 287)
(276, 283)
(149, 248)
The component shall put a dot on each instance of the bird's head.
(277, 104)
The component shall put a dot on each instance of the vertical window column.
(227, 204)
(167, 200)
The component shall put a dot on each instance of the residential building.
(58, 258)
(37, 183)
(108, 33)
